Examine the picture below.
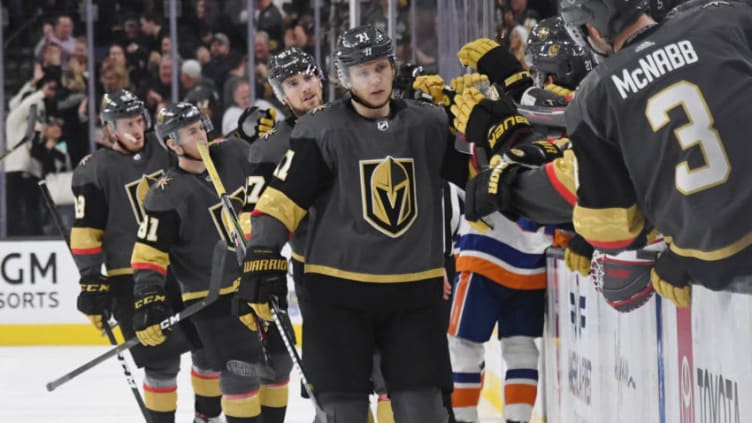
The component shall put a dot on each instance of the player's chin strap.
(358, 100)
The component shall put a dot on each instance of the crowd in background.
(132, 50)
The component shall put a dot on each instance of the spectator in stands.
(151, 28)
(271, 21)
(157, 91)
(21, 170)
(114, 76)
(302, 34)
(376, 14)
(116, 54)
(51, 151)
(80, 53)
(261, 54)
(238, 70)
(217, 68)
(200, 91)
(72, 92)
(522, 15)
(241, 100)
(61, 34)
(518, 43)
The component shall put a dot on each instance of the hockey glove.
(94, 300)
(264, 276)
(431, 86)
(489, 124)
(578, 255)
(535, 153)
(535, 96)
(623, 280)
(490, 191)
(254, 123)
(558, 89)
(470, 80)
(487, 57)
(151, 308)
(670, 280)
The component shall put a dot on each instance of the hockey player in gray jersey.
(184, 220)
(368, 172)
(109, 186)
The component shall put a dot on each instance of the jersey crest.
(388, 194)
(222, 221)
(137, 190)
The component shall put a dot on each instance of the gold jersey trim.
(279, 206)
(373, 278)
(608, 225)
(120, 271)
(712, 255)
(86, 238)
(143, 253)
(298, 257)
(201, 294)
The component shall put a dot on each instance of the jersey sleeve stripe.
(146, 257)
(279, 206)
(561, 175)
(86, 251)
(608, 228)
(86, 240)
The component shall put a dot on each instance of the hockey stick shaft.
(215, 282)
(277, 314)
(50, 203)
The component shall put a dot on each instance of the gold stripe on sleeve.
(279, 206)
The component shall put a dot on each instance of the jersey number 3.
(698, 131)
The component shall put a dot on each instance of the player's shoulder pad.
(165, 193)
(272, 145)
(229, 151)
(315, 122)
(422, 111)
(86, 171)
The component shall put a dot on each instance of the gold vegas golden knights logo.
(137, 190)
(222, 221)
(388, 193)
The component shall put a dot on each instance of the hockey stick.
(215, 282)
(277, 314)
(50, 203)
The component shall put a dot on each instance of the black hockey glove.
(264, 276)
(534, 154)
(535, 96)
(489, 58)
(254, 123)
(671, 280)
(578, 255)
(94, 300)
(151, 307)
(490, 191)
(491, 124)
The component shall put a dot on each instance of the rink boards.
(655, 364)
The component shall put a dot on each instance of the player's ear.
(172, 145)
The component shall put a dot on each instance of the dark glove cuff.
(580, 246)
(499, 64)
(670, 268)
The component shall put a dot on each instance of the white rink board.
(38, 283)
(655, 364)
